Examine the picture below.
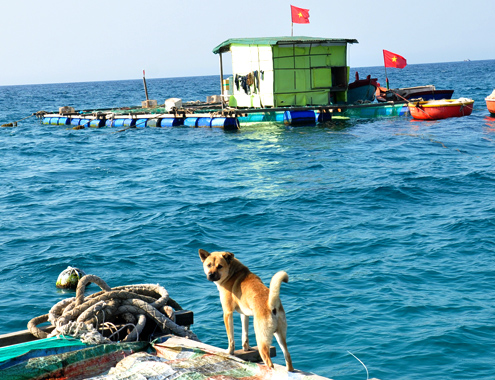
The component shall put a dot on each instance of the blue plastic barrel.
(140, 123)
(118, 123)
(63, 121)
(299, 118)
(46, 120)
(74, 121)
(225, 122)
(324, 116)
(97, 123)
(85, 122)
(129, 122)
(152, 122)
(190, 121)
(171, 122)
(204, 122)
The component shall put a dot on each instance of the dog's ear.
(203, 254)
(228, 256)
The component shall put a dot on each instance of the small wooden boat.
(441, 109)
(490, 103)
(428, 92)
(362, 90)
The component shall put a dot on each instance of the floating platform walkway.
(206, 115)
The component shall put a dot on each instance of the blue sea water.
(386, 226)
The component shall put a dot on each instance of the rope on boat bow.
(85, 317)
(416, 105)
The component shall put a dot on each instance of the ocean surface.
(385, 226)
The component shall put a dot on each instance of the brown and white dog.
(244, 292)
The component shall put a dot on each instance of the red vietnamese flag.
(394, 60)
(299, 15)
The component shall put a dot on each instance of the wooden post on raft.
(147, 103)
(145, 88)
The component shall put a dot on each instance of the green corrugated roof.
(225, 46)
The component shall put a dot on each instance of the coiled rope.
(84, 317)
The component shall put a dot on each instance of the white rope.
(86, 333)
(367, 373)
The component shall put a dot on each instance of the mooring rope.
(14, 123)
(84, 317)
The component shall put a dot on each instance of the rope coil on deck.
(83, 317)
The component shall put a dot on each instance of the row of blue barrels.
(304, 117)
(259, 117)
(206, 122)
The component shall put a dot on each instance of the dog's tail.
(274, 296)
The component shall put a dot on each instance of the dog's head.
(216, 264)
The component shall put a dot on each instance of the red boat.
(441, 109)
(490, 104)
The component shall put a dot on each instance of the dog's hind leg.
(245, 332)
(264, 329)
(281, 339)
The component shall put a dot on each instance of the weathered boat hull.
(167, 357)
(62, 358)
(362, 90)
(365, 93)
(432, 95)
(436, 110)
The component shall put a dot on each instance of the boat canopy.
(271, 41)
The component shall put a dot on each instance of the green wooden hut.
(286, 71)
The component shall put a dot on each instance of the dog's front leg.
(228, 319)
(245, 332)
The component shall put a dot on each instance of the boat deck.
(24, 356)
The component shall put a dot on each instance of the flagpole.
(386, 78)
(291, 29)
(385, 65)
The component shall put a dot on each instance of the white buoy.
(69, 278)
